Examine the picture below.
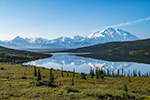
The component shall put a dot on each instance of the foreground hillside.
(18, 83)
(135, 51)
(17, 56)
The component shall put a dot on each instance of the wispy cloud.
(121, 24)
(128, 23)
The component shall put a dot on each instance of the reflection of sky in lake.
(83, 64)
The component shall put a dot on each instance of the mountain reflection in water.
(83, 64)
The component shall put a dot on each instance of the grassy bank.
(18, 82)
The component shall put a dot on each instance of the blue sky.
(54, 18)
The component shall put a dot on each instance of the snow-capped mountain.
(106, 35)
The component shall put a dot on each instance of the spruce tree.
(62, 71)
(97, 73)
(83, 76)
(72, 81)
(39, 75)
(35, 73)
(107, 72)
(135, 73)
(139, 74)
(51, 78)
(73, 72)
(100, 71)
(92, 73)
(67, 74)
(146, 74)
(113, 74)
(117, 72)
(122, 71)
(125, 88)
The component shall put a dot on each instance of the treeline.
(94, 74)
(120, 73)
(97, 74)
(18, 56)
(14, 59)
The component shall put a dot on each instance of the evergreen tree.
(113, 74)
(73, 72)
(139, 74)
(97, 74)
(35, 73)
(67, 74)
(51, 77)
(83, 76)
(146, 74)
(122, 71)
(102, 76)
(72, 81)
(100, 71)
(117, 72)
(125, 88)
(92, 73)
(107, 72)
(135, 73)
(39, 75)
(62, 71)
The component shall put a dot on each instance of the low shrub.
(110, 94)
(1, 68)
(47, 83)
(70, 89)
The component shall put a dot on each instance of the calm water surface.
(83, 64)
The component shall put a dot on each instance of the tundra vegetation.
(20, 82)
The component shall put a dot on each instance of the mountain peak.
(18, 38)
(109, 28)
(116, 34)
(106, 35)
(101, 33)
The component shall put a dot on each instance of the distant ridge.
(106, 35)
(130, 51)
(19, 56)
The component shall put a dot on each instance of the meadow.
(19, 83)
(23, 82)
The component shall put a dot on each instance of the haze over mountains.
(106, 35)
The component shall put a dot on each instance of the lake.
(83, 64)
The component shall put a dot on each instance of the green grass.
(13, 87)
(17, 82)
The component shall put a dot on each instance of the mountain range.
(106, 35)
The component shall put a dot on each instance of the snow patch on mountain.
(106, 35)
